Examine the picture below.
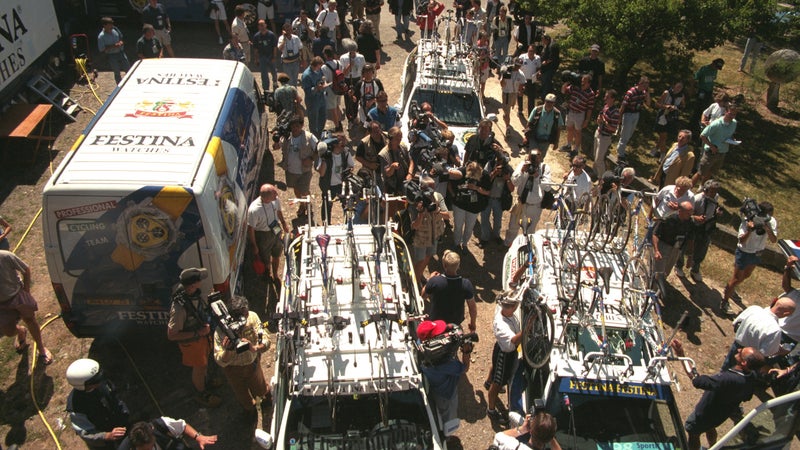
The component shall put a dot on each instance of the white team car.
(442, 72)
(346, 371)
(597, 362)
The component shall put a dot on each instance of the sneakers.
(696, 276)
(725, 308)
(208, 399)
(735, 295)
(679, 272)
(497, 416)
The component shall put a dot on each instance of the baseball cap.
(193, 275)
(429, 329)
(595, 47)
(550, 98)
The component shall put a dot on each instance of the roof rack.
(445, 64)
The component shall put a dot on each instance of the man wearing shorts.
(751, 243)
(428, 227)
(715, 139)
(581, 104)
(216, 12)
(265, 228)
(16, 302)
(155, 14)
(299, 154)
(188, 325)
(507, 334)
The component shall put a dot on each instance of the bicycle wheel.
(568, 272)
(582, 228)
(635, 281)
(588, 279)
(599, 223)
(537, 341)
(622, 228)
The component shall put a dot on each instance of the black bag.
(438, 350)
(506, 199)
(548, 198)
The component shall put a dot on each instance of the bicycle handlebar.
(634, 191)
(544, 183)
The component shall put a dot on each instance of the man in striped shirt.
(633, 101)
(581, 103)
(607, 123)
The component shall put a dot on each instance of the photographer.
(290, 47)
(364, 93)
(704, 219)
(500, 198)
(508, 335)
(395, 163)
(527, 179)
(757, 227)
(442, 378)
(512, 82)
(428, 212)
(188, 325)
(536, 432)
(287, 98)
(353, 63)
(243, 370)
(470, 195)
(314, 87)
(299, 153)
(265, 228)
(482, 146)
(334, 161)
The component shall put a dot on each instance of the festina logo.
(143, 140)
(13, 30)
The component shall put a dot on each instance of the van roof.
(155, 127)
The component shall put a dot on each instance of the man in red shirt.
(427, 22)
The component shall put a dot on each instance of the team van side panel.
(159, 181)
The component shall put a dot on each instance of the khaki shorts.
(164, 37)
(299, 181)
(269, 244)
(195, 354)
(21, 306)
(575, 120)
(710, 164)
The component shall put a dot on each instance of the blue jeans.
(400, 19)
(316, 116)
(118, 62)
(292, 69)
(547, 82)
(267, 67)
(629, 121)
(496, 210)
(464, 222)
(500, 47)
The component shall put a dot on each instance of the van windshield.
(450, 107)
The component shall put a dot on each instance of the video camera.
(416, 193)
(230, 327)
(442, 348)
(752, 211)
(571, 77)
(283, 126)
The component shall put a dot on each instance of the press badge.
(275, 227)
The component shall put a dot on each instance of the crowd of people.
(313, 68)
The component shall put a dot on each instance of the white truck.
(159, 181)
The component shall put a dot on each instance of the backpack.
(339, 85)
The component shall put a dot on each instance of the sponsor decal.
(27, 29)
(162, 108)
(85, 209)
(613, 388)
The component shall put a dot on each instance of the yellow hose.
(33, 393)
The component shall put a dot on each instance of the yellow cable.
(141, 377)
(24, 235)
(33, 393)
(81, 64)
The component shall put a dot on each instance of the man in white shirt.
(353, 63)
(579, 177)
(290, 47)
(528, 179)
(329, 18)
(758, 327)
(670, 197)
(265, 228)
(530, 63)
(239, 28)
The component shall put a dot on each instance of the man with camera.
(581, 104)
(290, 47)
(189, 325)
(508, 335)
(530, 63)
(528, 179)
(387, 116)
(353, 63)
(482, 146)
(544, 126)
(333, 164)
(265, 228)
(758, 227)
(314, 87)
(632, 102)
(240, 358)
(299, 150)
(512, 82)
(98, 416)
(428, 212)
(500, 197)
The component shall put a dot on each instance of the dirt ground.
(148, 367)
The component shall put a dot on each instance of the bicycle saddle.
(605, 274)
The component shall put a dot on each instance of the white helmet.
(82, 372)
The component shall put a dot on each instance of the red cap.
(429, 329)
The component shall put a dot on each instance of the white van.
(159, 181)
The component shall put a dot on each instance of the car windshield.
(450, 107)
(355, 423)
(598, 421)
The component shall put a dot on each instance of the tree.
(665, 33)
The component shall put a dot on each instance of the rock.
(782, 66)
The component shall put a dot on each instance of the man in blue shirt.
(715, 137)
(544, 126)
(155, 14)
(314, 85)
(110, 42)
(384, 114)
(266, 44)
